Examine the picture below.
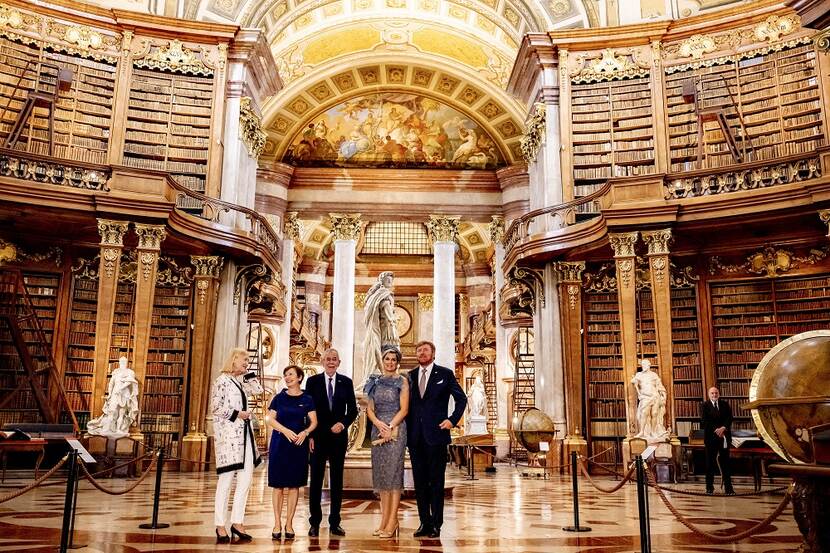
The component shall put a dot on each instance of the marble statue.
(651, 405)
(121, 404)
(477, 398)
(381, 326)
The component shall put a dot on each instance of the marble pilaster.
(346, 229)
(503, 369)
(443, 232)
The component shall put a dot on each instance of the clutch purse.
(392, 438)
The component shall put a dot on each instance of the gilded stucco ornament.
(345, 226)
(611, 64)
(293, 227)
(10, 17)
(573, 295)
(359, 300)
(773, 27)
(8, 252)
(425, 302)
(496, 228)
(150, 237)
(657, 241)
(570, 271)
(443, 228)
(623, 243)
(250, 128)
(696, 46)
(173, 56)
(535, 133)
(83, 37)
(769, 262)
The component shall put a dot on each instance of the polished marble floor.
(503, 512)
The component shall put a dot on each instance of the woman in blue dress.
(388, 396)
(291, 415)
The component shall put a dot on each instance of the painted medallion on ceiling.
(393, 129)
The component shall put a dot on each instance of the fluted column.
(503, 370)
(658, 261)
(112, 244)
(206, 282)
(346, 230)
(443, 231)
(570, 307)
(623, 246)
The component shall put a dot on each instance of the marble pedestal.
(477, 425)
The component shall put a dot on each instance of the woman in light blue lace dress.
(388, 396)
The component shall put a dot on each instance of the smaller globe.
(532, 427)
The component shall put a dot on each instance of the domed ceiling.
(442, 65)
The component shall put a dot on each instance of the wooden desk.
(481, 447)
(756, 456)
(11, 446)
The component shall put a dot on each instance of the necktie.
(716, 406)
(422, 383)
(331, 394)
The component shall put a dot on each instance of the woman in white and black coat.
(235, 447)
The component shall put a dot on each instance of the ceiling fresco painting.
(394, 129)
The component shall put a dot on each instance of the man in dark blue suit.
(334, 401)
(428, 434)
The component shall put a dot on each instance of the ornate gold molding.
(425, 302)
(292, 227)
(696, 46)
(207, 266)
(360, 300)
(112, 232)
(534, 134)
(774, 26)
(496, 229)
(8, 252)
(570, 271)
(609, 65)
(657, 241)
(623, 243)
(150, 237)
(573, 295)
(775, 47)
(11, 17)
(172, 56)
(824, 215)
(769, 262)
(345, 226)
(443, 228)
(250, 128)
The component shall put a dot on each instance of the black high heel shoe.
(240, 534)
(276, 536)
(222, 539)
(289, 535)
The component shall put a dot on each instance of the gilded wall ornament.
(609, 65)
(112, 232)
(293, 227)
(570, 271)
(657, 241)
(626, 271)
(535, 134)
(345, 226)
(623, 243)
(173, 56)
(696, 46)
(682, 277)
(824, 215)
(773, 27)
(823, 41)
(769, 262)
(10, 17)
(148, 260)
(83, 37)
(425, 302)
(55, 253)
(150, 237)
(573, 295)
(250, 128)
(359, 300)
(202, 286)
(443, 228)
(658, 266)
(8, 252)
(110, 256)
(496, 228)
(326, 303)
(207, 265)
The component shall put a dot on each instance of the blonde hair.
(235, 352)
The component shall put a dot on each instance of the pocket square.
(440, 382)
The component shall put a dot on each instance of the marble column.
(231, 320)
(504, 371)
(548, 359)
(624, 256)
(443, 231)
(112, 244)
(346, 229)
(658, 261)
(292, 232)
(206, 283)
(570, 307)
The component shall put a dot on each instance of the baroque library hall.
(415, 275)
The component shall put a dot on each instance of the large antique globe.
(532, 427)
(790, 393)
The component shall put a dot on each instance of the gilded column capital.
(443, 228)
(150, 237)
(496, 228)
(292, 228)
(658, 241)
(207, 266)
(570, 271)
(425, 302)
(345, 226)
(623, 243)
(112, 232)
(250, 128)
(824, 215)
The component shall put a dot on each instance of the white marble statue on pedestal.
(120, 406)
(381, 327)
(651, 405)
(477, 408)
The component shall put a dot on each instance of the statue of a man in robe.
(381, 325)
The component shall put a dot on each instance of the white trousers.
(240, 496)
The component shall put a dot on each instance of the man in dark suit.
(336, 408)
(428, 434)
(716, 420)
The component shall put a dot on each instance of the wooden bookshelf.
(80, 354)
(646, 333)
(603, 363)
(43, 290)
(168, 127)
(83, 114)
(612, 134)
(776, 94)
(686, 362)
(122, 323)
(165, 381)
